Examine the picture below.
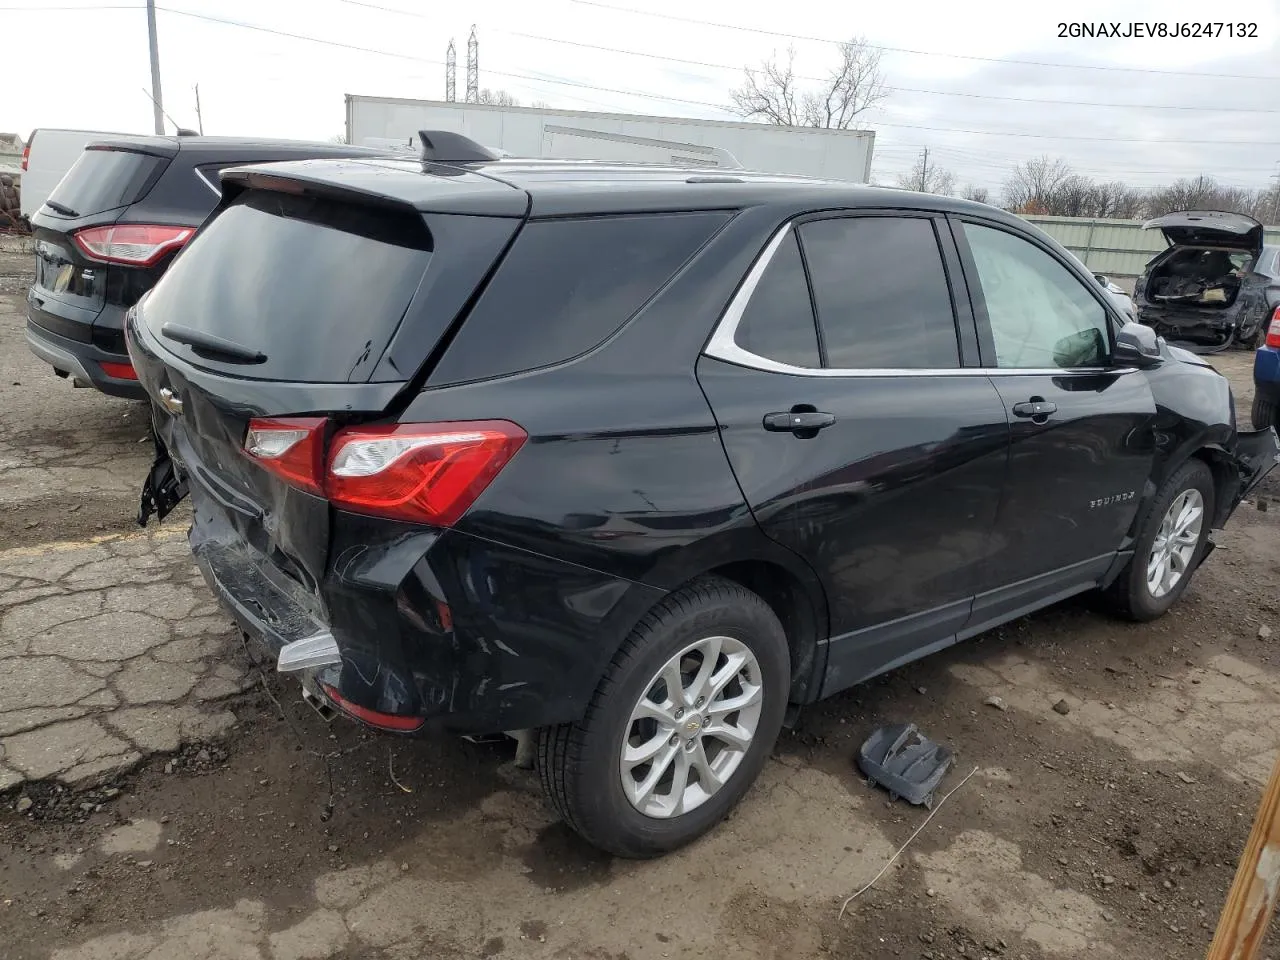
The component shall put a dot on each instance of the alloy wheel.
(1175, 543)
(692, 727)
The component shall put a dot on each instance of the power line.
(375, 6)
(939, 93)
(557, 81)
(113, 6)
(921, 53)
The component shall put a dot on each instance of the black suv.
(110, 229)
(637, 457)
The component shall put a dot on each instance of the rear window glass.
(318, 286)
(105, 179)
(566, 286)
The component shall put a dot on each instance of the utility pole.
(1275, 206)
(923, 185)
(156, 99)
(199, 115)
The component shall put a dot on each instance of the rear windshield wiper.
(207, 343)
(61, 208)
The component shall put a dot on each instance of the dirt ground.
(1107, 827)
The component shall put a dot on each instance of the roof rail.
(445, 146)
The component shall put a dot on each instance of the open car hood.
(1209, 228)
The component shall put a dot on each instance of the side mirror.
(1102, 278)
(1137, 346)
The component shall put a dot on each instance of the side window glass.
(778, 321)
(881, 293)
(1041, 315)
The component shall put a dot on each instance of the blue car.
(1266, 378)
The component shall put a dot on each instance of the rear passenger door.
(1082, 430)
(845, 378)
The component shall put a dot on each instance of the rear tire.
(1169, 545)
(1263, 413)
(589, 769)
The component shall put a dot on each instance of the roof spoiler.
(445, 146)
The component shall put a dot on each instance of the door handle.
(799, 422)
(1037, 408)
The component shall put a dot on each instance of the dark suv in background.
(109, 230)
(637, 457)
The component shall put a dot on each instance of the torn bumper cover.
(1257, 453)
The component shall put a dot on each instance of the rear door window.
(778, 322)
(316, 285)
(881, 293)
(566, 286)
(104, 180)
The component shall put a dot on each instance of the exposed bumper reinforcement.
(309, 653)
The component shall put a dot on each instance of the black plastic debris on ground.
(905, 762)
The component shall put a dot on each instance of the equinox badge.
(169, 400)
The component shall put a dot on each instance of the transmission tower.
(451, 74)
(473, 67)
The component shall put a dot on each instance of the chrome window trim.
(208, 183)
(724, 346)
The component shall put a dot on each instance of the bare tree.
(770, 93)
(1186, 193)
(926, 177)
(1115, 200)
(338, 138)
(497, 98)
(977, 194)
(774, 93)
(1071, 197)
(1030, 187)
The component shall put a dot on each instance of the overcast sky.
(86, 67)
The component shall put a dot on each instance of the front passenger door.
(1081, 431)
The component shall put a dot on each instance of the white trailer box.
(570, 134)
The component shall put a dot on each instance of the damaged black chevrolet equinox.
(633, 459)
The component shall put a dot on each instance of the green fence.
(1118, 248)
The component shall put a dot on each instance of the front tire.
(679, 728)
(1263, 412)
(1169, 546)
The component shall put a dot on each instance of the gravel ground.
(1107, 827)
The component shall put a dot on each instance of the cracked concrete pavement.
(111, 646)
(109, 651)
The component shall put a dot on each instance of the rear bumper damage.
(415, 628)
(1200, 331)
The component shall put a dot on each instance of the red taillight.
(375, 718)
(26, 155)
(421, 472)
(121, 371)
(136, 244)
(1273, 331)
(290, 447)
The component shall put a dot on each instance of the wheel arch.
(1226, 481)
(778, 576)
